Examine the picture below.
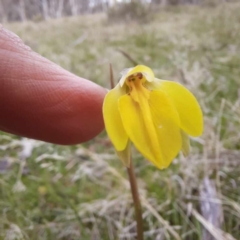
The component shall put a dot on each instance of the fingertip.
(41, 100)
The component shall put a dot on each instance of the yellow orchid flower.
(155, 115)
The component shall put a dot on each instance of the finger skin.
(40, 100)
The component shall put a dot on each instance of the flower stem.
(111, 77)
(136, 200)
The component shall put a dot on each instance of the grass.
(81, 192)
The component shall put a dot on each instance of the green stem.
(136, 200)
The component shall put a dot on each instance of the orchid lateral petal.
(187, 106)
(142, 134)
(166, 121)
(125, 155)
(112, 119)
(153, 128)
(185, 144)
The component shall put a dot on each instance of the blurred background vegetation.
(81, 192)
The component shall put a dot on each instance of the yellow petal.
(146, 71)
(152, 126)
(137, 131)
(185, 144)
(112, 118)
(125, 155)
(187, 106)
(166, 121)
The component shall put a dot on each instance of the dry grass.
(81, 192)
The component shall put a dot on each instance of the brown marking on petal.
(140, 75)
(129, 78)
